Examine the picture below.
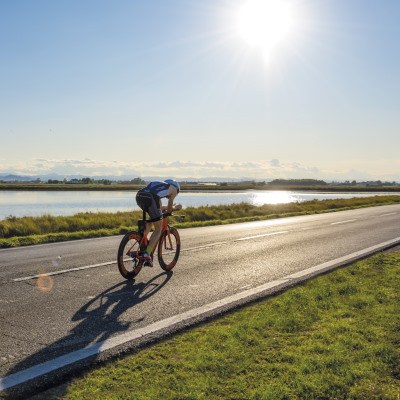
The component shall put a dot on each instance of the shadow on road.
(98, 320)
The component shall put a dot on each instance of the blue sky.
(169, 88)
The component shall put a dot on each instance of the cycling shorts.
(150, 204)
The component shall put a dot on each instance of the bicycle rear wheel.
(169, 248)
(129, 264)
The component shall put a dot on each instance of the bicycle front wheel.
(169, 248)
(129, 264)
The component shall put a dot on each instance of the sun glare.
(264, 24)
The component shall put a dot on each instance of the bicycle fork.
(169, 241)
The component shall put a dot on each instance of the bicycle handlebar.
(165, 215)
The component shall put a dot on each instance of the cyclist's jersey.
(158, 188)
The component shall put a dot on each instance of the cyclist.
(149, 200)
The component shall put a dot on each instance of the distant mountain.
(45, 178)
(18, 178)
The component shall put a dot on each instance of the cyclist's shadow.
(100, 318)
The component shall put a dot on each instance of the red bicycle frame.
(164, 228)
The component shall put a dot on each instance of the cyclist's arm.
(175, 207)
(173, 193)
(170, 206)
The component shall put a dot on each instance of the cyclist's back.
(158, 188)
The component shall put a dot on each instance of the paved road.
(92, 304)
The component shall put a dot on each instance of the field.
(46, 229)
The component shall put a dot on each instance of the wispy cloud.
(264, 169)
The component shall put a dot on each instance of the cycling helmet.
(173, 183)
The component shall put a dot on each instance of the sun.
(265, 24)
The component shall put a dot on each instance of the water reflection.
(278, 197)
(21, 203)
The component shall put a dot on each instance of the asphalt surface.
(45, 318)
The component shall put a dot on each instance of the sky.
(175, 88)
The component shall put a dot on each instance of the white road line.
(64, 271)
(263, 235)
(156, 328)
(384, 215)
(344, 222)
(205, 246)
(245, 287)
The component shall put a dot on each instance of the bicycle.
(130, 260)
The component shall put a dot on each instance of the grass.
(45, 229)
(335, 337)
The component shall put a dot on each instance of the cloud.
(275, 163)
(263, 169)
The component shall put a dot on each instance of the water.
(33, 203)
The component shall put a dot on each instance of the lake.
(33, 203)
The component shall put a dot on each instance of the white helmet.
(174, 183)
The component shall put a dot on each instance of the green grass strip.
(47, 229)
(335, 337)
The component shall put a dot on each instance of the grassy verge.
(335, 337)
(46, 229)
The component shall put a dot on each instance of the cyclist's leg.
(145, 200)
(147, 229)
(156, 218)
(155, 236)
